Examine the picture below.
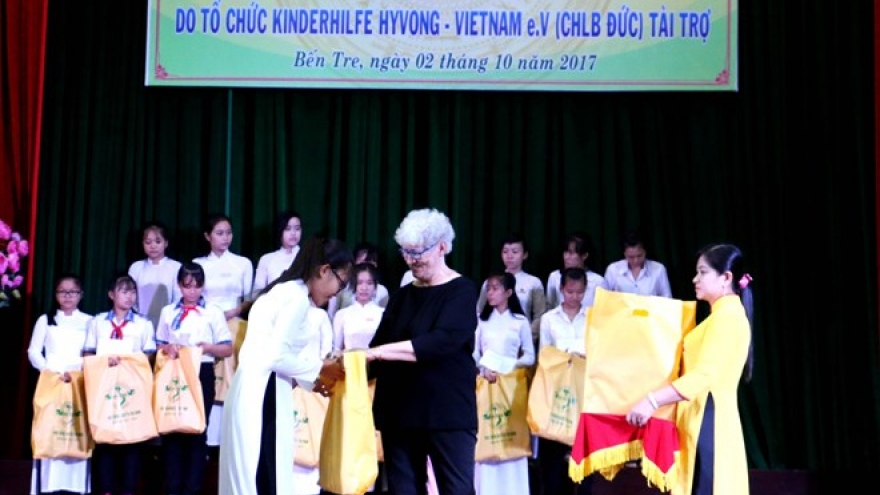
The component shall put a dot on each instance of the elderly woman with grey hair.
(421, 355)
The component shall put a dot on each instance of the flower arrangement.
(12, 249)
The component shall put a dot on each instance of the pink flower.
(5, 231)
(3, 263)
(4, 282)
(23, 248)
(16, 282)
(12, 247)
(14, 263)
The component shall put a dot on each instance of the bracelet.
(652, 400)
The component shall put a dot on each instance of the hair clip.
(745, 280)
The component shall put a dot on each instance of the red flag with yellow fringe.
(633, 345)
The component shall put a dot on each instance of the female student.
(529, 288)
(56, 345)
(355, 325)
(305, 478)
(256, 455)
(288, 231)
(190, 322)
(156, 274)
(228, 277)
(563, 327)
(503, 343)
(576, 251)
(119, 331)
(228, 281)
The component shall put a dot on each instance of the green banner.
(547, 45)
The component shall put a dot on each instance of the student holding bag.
(56, 346)
(120, 335)
(190, 322)
(503, 346)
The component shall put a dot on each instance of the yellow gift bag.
(224, 368)
(503, 432)
(178, 403)
(634, 345)
(60, 426)
(119, 399)
(309, 411)
(556, 395)
(348, 462)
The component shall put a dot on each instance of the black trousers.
(704, 460)
(186, 455)
(553, 461)
(452, 457)
(267, 480)
(116, 468)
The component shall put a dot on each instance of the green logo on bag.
(120, 392)
(563, 399)
(67, 414)
(497, 415)
(175, 388)
(299, 418)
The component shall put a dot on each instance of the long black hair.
(315, 252)
(508, 281)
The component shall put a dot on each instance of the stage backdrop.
(784, 167)
(557, 45)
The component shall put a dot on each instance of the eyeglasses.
(68, 293)
(415, 254)
(342, 283)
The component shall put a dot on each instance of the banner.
(544, 45)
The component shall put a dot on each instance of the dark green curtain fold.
(784, 168)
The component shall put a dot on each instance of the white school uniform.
(59, 348)
(272, 265)
(502, 337)
(554, 294)
(530, 292)
(354, 326)
(229, 279)
(305, 479)
(652, 279)
(565, 333)
(137, 335)
(279, 331)
(156, 286)
(205, 323)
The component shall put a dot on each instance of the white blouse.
(228, 279)
(157, 285)
(137, 335)
(272, 265)
(203, 324)
(354, 326)
(59, 347)
(560, 331)
(505, 334)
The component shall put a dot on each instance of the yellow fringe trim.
(608, 462)
(663, 481)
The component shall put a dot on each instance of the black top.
(438, 390)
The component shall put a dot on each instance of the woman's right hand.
(65, 377)
(170, 350)
(490, 375)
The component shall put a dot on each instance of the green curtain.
(784, 168)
